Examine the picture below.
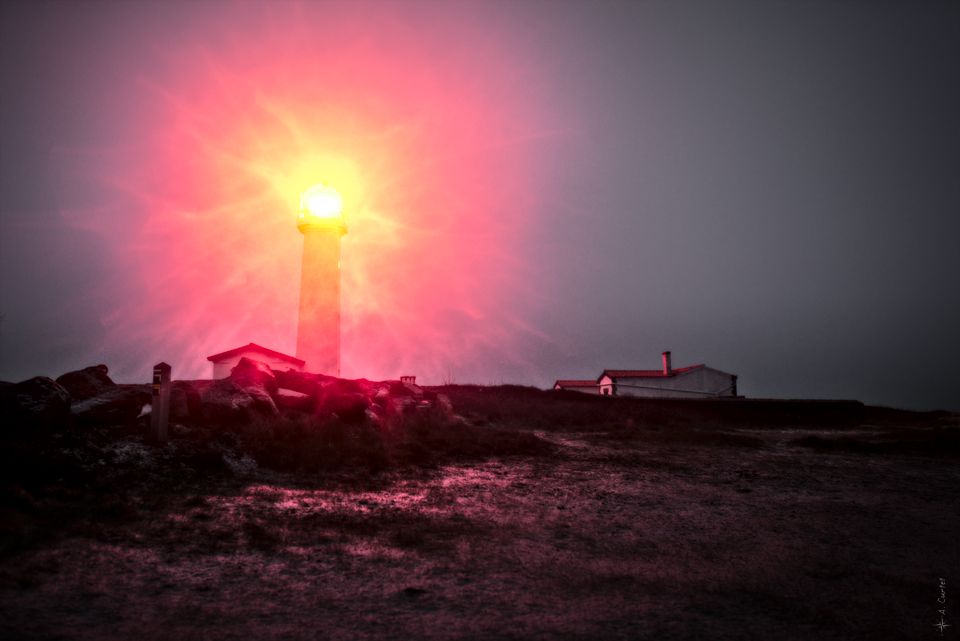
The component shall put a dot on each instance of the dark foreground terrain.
(527, 515)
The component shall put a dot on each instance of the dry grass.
(937, 441)
(424, 439)
(619, 527)
(529, 408)
(741, 543)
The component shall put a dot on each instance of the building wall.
(704, 382)
(221, 369)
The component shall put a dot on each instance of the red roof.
(253, 347)
(646, 373)
(576, 383)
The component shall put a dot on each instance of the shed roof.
(253, 347)
(575, 383)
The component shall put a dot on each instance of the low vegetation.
(935, 441)
(488, 509)
(424, 439)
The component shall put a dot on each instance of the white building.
(586, 386)
(694, 381)
(226, 361)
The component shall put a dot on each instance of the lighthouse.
(320, 220)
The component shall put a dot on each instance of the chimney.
(667, 369)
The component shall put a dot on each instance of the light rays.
(428, 152)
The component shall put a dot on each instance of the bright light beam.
(320, 201)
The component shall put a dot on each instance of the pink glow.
(428, 140)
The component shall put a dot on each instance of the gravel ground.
(746, 537)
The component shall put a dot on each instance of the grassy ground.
(533, 521)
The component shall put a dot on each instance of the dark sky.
(772, 188)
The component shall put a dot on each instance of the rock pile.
(253, 389)
(35, 402)
(90, 397)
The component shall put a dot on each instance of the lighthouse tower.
(318, 329)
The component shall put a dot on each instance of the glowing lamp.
(321, 208)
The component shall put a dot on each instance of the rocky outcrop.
(301, 381)
(225, 401)
(349, 407)
(263, 403)
(87, 382)
(252, 373)
(290, 401)
(118, 405)
(356, 401)
(251, 391)
(36, 402)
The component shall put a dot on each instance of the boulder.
(293, 401)
(185, 401)
(119, 405)
(302, 382)
(87, 382)
(249, 372)
(349, 407)
(342, 386)
(226, 402)
(263, 403)
(36, 402)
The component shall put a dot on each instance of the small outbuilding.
(589, 386)
(693, 381)
(226, 361)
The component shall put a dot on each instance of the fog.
(533, 190)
